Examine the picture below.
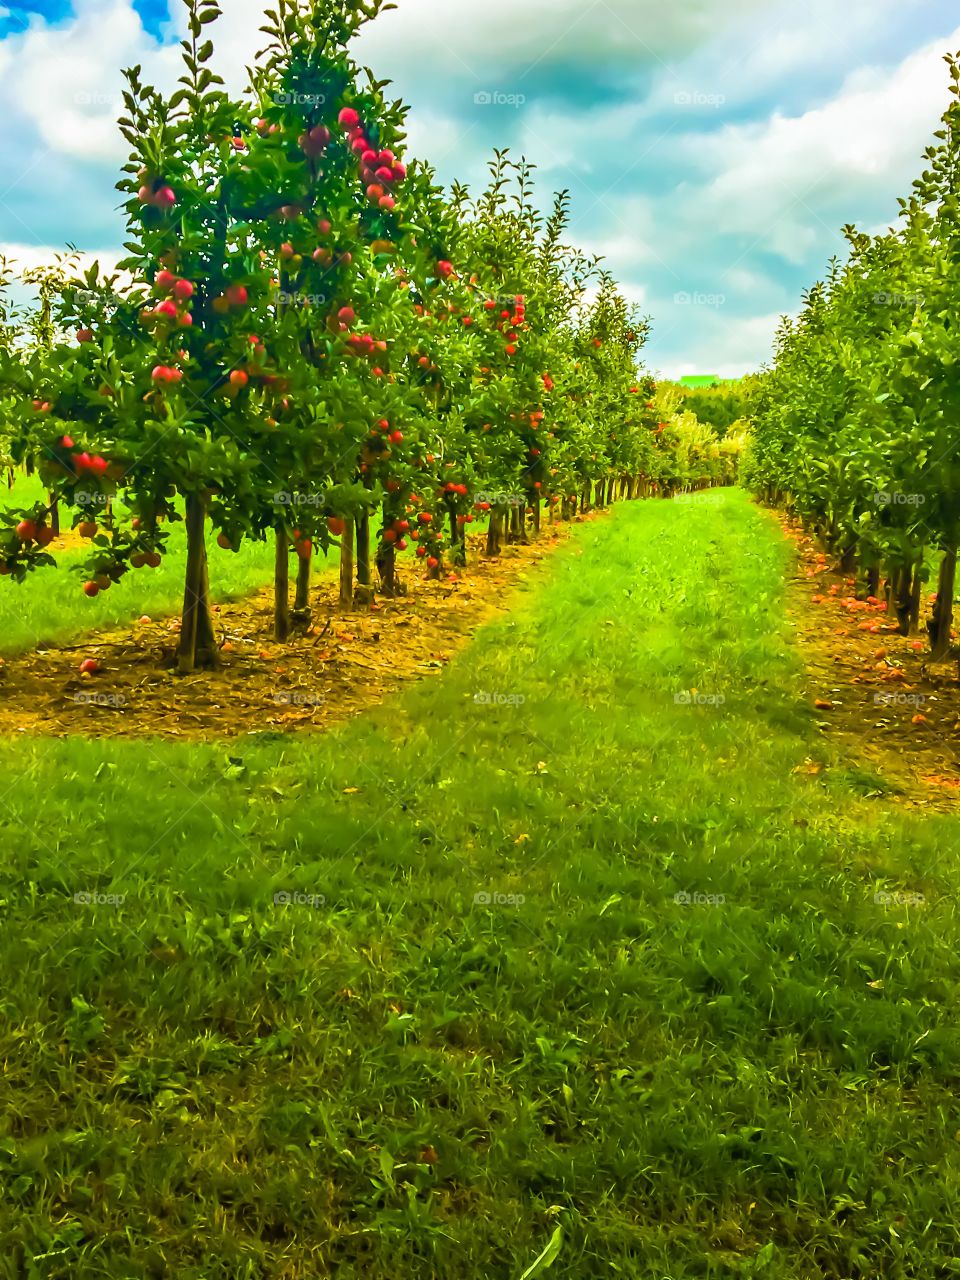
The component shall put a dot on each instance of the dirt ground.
(879, 698)
(344, 664)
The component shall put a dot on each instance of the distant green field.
(478, 1011)
(50, 605)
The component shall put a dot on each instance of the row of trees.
(856, 423)
(310, 342)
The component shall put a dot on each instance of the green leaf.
(547, 1258)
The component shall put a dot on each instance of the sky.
(713, 149)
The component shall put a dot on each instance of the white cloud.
(463, 37)
(726, 346)
(781, 180)
(66, 82)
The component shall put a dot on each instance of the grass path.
(488, 1017)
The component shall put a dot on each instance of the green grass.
(204, 1084)
(50, 605)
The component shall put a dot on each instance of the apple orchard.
(309, 341)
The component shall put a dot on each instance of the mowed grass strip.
(404, 999)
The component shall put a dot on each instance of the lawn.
(405, 999)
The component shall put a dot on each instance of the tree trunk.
(54, 516)
(892, 586)
(942, 621)
(521, 510)
(281, 585)
(493, 531)
(873, 580)
(514, 529)
(387, 569)
(346, 565)
(363, 550)
(536, 515)
(197, 646)
(302, 613)
(903, 589)
(916, 596)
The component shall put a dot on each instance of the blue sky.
(713, 150)
(155, 14)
